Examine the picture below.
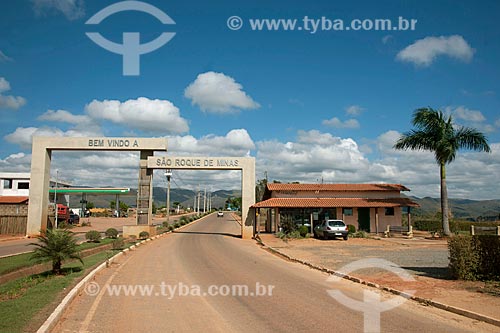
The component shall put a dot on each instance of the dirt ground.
(425, 259)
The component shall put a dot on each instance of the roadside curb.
(421, 300)
(52, 320)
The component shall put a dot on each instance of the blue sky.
(309, 106)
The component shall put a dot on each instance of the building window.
(389, 211)
(23, 186)
(347, 211)
(7, 183)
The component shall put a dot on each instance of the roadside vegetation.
(26, 302)
(475, 257)
(56, 246)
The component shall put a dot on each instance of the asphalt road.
(208, 258)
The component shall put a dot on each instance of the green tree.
(437, 133)
(56, 246)
(260, 189)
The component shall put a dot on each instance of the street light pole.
(55, 199)
(168, 173)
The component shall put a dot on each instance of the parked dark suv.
(73, 218)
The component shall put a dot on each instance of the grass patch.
(23, 299)
(490, 288)
(13, 263)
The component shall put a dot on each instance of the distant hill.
(460, 208)
(184, 196)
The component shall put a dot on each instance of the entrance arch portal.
(42, 148)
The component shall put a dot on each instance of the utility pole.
(194, 203)
(168, 174)
(205, 201)
(210, 200)
(198, 202)
(55, 198)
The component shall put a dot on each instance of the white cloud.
(65, 117)
(72, 9)
(236, 142)
(19, 162)
(218, 93)
(310, 157)
(4, 58)
(337, 123)
(313, 155)
(354, 110)
(466, 114)
(424, 51)
(23, 135)
(4, 85)
(473, 118)
(143, 114)
(120, 168)
(9, 102)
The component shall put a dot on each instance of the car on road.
(220, 214)
(73, 218)
(331, 229)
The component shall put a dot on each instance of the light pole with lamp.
(168, 174)
(55, 199)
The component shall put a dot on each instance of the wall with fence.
(13, 224)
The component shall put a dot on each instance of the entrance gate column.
(42, 148)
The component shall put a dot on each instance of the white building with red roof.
(369, 207)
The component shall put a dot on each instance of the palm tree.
(56, 246)
(436, 132)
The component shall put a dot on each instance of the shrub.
(143, 235)
(303, 230)
(475, 257)
(184, 220)
(171, 228)
(464, 260)
(64, 225)
(428, 225)
(288, 226)
(360, 234)
(488, 248)
(351, 228)
(111, 233)
(165, 224)
(118, 243)
(93, 236)
(56, 246)
(177, 225)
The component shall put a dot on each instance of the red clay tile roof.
(13, 199)
(333, 202)
(336, 187)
